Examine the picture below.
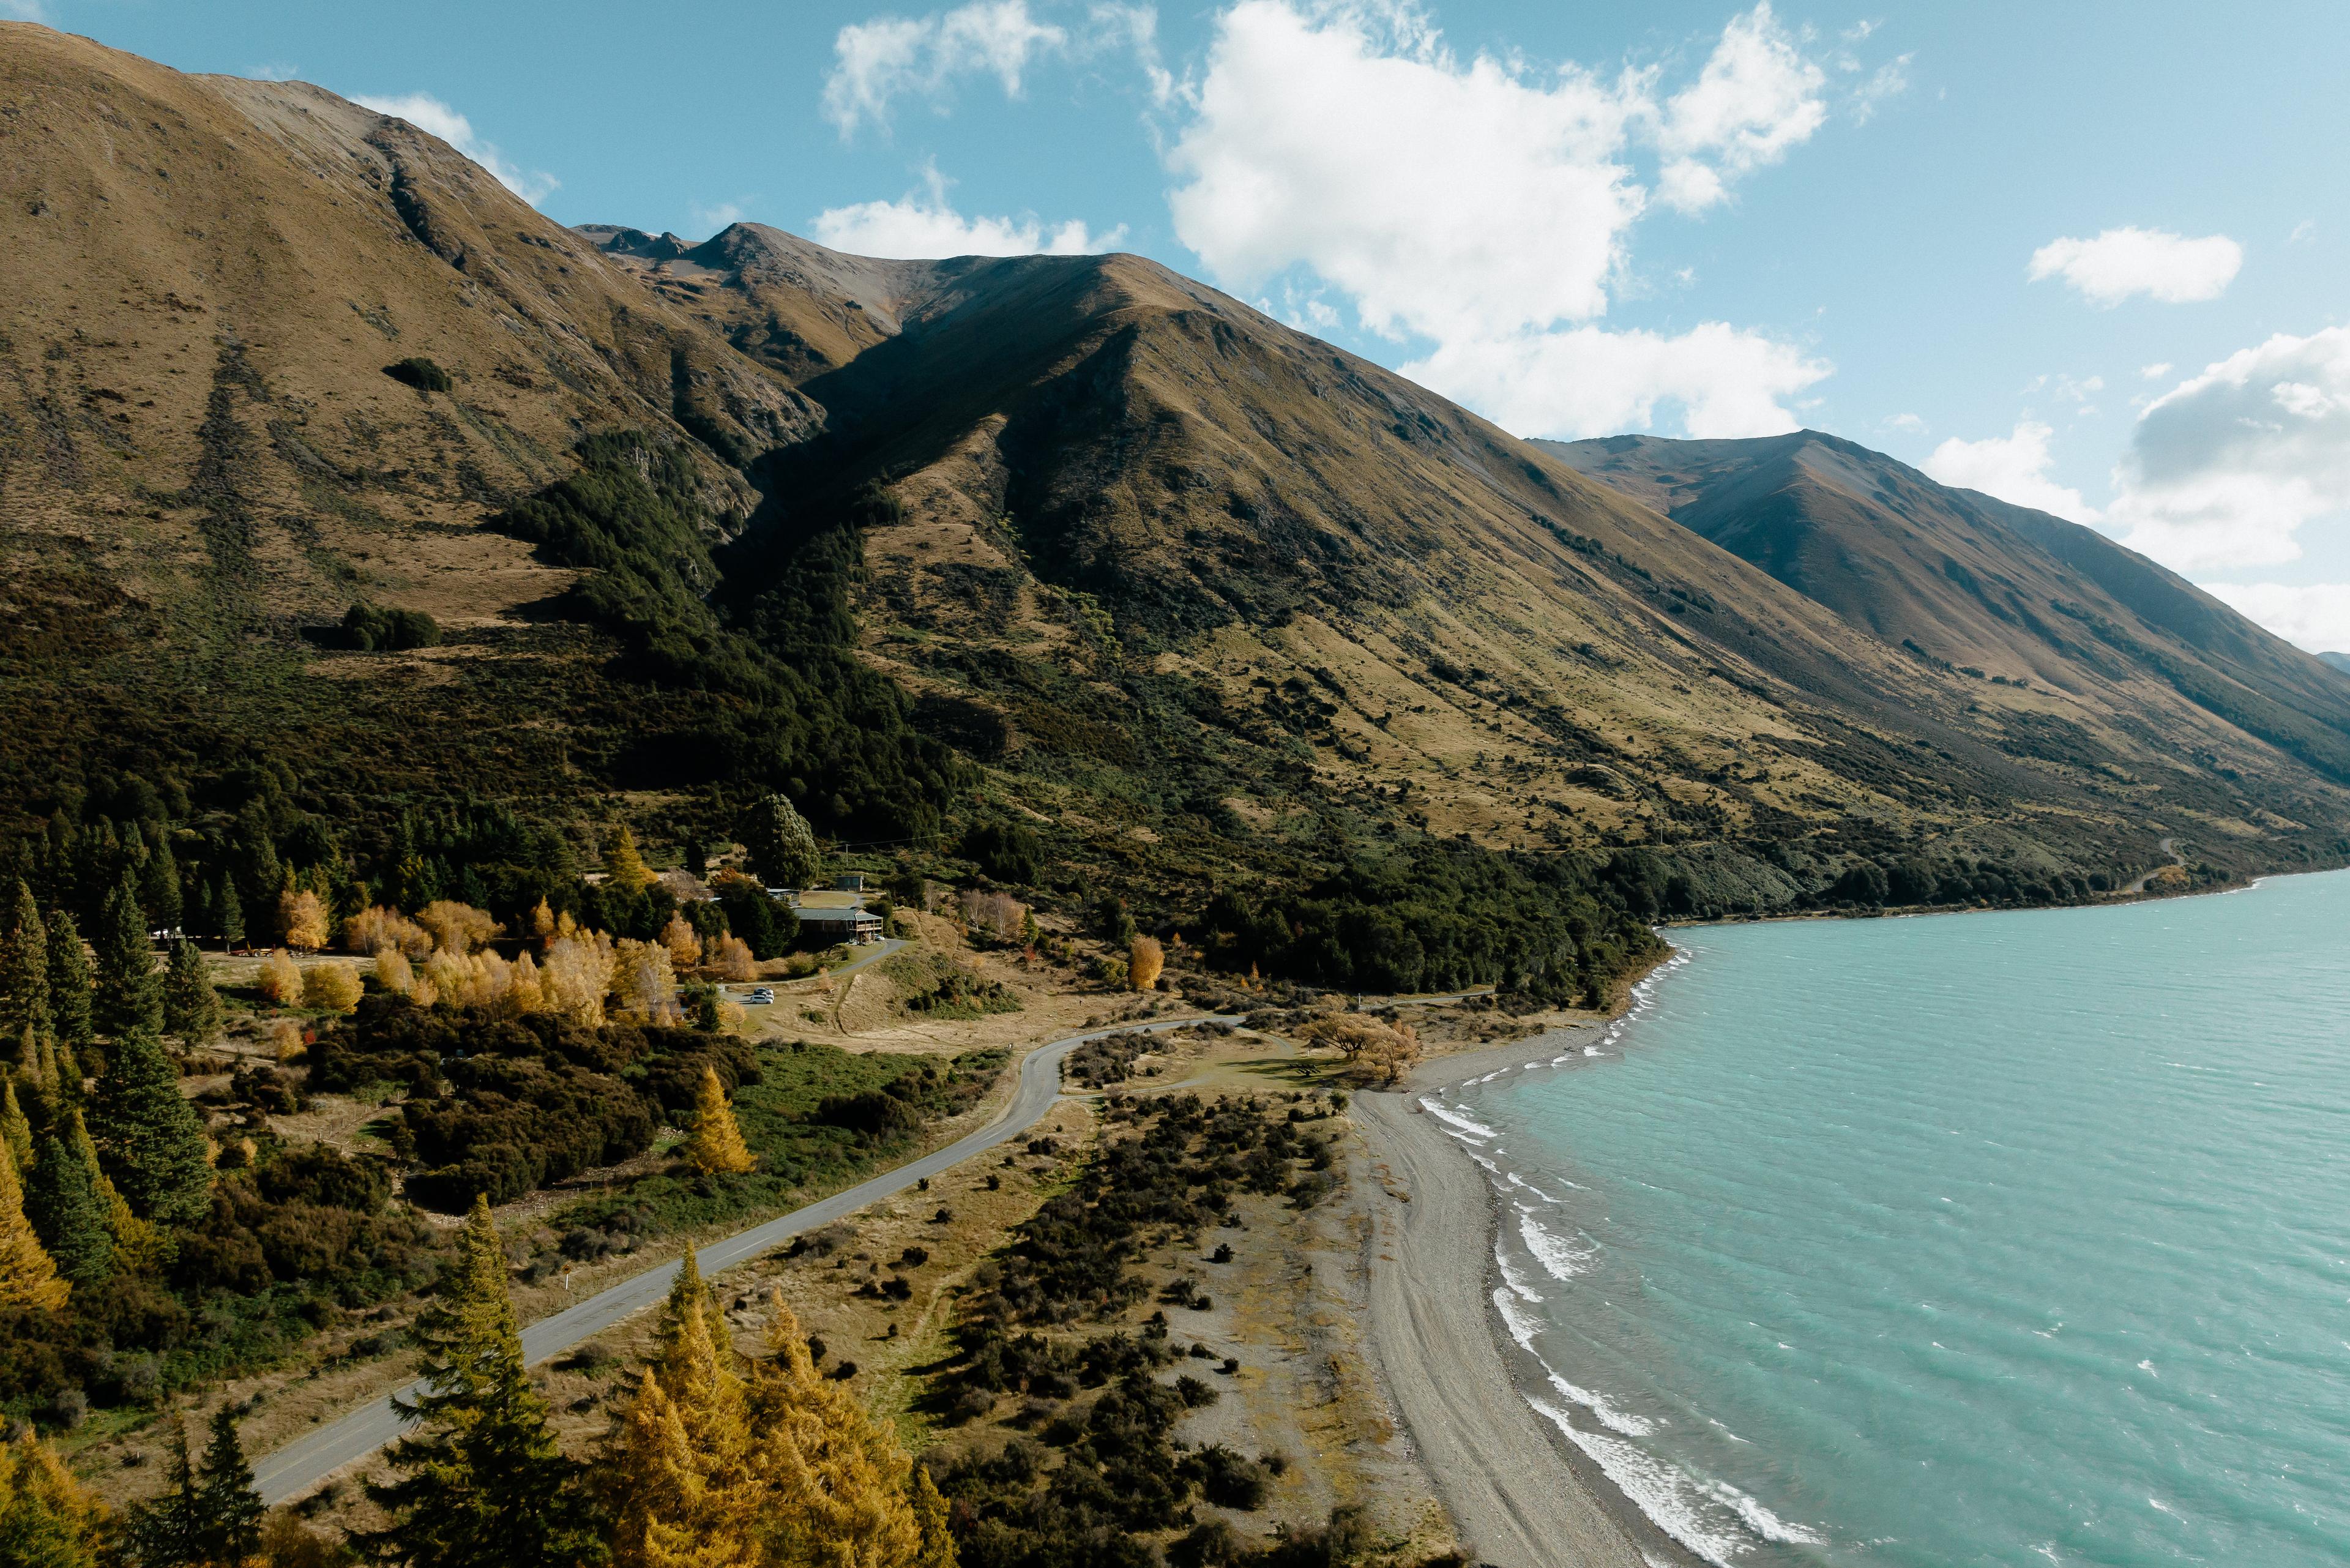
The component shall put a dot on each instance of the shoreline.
(1521, 1493)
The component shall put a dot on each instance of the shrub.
(1144, 959)
(374, 630)
(417, 371)
(334, 987)
(281, 979)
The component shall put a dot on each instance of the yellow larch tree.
(302, 916)
(714, 1143)
(681, 1494)
(1144, 961)
(45, 1517)
(28, 1275)
(621, 861)
(836, 1481)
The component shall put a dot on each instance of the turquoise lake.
(2008, 1238)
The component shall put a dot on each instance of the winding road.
(2169, 846)
(301, 1465)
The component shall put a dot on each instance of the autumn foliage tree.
(281, 979)
(302, 916)
(1144, 961)
(28, 1275)
(714, 1143)
(47, 1520)
(332, 987)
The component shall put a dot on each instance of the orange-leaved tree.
(714, 1143)
(1144, 961)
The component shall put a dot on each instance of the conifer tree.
(158, 884)
(16, 1127)
(68, 1213)
(24, 967)
(938, 1549)
(837, 1483)
(229, 1508)
(676, 1470)
(483, 1484)
(714, 1144)
(228, 913)
(28, 1276)
(782, 846)
(139, 1247)
(47, 1520)
(167, 1530)
(192, 1009)
(68, 981)
(129, 1000)
(150, 1137)
(624, 863)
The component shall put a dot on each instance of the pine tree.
(230, 1509)
(676, 1472)
(192, 1009)
(782, 846)
(68, 981)
(47, 1520)
(158, 884)
(129, 1000)
(149, 1137)
(28, 1276)
(24, 967)
(16, 1127)
(483, 1484)
(228, 913)
(837, 1483)
(622, 861)
(139, 1247)
(938, 1549)
(714, 1144)
(167, 1529)
(68, 1213)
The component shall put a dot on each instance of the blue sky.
(1577, 218)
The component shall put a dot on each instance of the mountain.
(1067, 543)
(2336, 661)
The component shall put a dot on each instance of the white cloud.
(2162, 265)
(2012, 467)
(1485, 205)
(2225, 469)
(2316, 616)
(722, 216)
(2156, 371)
(1137, 26)
(924, 226)
(1755, 99)
(1588, 381)
(875, 61)
(1883, 85)
(1909, 424)
(25, 10)
(273, 71)
(433, 117)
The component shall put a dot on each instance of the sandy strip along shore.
(1521, 1495)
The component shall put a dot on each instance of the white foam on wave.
(1656, 1488)
(1518, 1182)
(1515, 1281)
(1560, 1258)
(1455, 1120)
(1518, 1320)
(1622, 1422)
(1759, 1518)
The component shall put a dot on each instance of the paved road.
(2176, 859)
(303, 1464)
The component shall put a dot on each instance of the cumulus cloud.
(2316, 616)
(2225, 469)
(1484, 205)
(1755, 99)
(429, 115)
(877, 61)
(2012, 467)
(2162, 265)
(924, 226)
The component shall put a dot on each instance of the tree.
(303, 918)
(167, 1530)
(47, 1520)
(28, 1275)
(714, 1144)
(16, 1127)
(937, 1550)
(836, 1481)
(230, 1509)
(332, 987)
(68, 1213)
(1144, 961)
(192, 1009)
(684, 943)
(68, 981)
(676, 1470)
(455, 927)
(481, 1484)
(622, 862)
(139, 1247)
(158, 884)
(228, 913)
(281, 979)
(24, 967)
(782, 846)
(150, 1137)
(129, 1000)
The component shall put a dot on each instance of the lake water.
(1972, 1239)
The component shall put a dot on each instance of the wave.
(1455, 1120)
(1560, 1258)
(1622, 1422)
(1668, 1497)
(1511, 1278)
(1521, 1326)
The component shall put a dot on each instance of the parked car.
(762, 996)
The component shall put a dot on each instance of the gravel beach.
(1520, 1496)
